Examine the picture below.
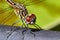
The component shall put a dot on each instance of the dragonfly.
(21, 11)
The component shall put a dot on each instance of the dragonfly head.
(30, 19)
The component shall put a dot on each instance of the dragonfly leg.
(25, 29)
(34, 30)
(23, 32)
(32, 33)
(37, 26)
(16, 22)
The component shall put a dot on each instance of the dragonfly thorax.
(18, 6)
(20, 9)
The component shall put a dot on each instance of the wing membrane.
(32, 2)
(4, 15)
(4, 7)
(5, 12)
(29, 2)
(7, 15)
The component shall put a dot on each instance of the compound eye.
(28, 19)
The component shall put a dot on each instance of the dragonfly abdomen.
(10, 2)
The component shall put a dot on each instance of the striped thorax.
(19, 9)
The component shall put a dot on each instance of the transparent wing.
(32, 2)
(6, 14)
(29, 2)
(3, 10)
(4, 7)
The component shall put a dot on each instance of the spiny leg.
(20, 12)
(24, 31)
(38, 29)
(16, 22)
(37, 26)
(23, 22)
(24, 25)
(32, 33)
